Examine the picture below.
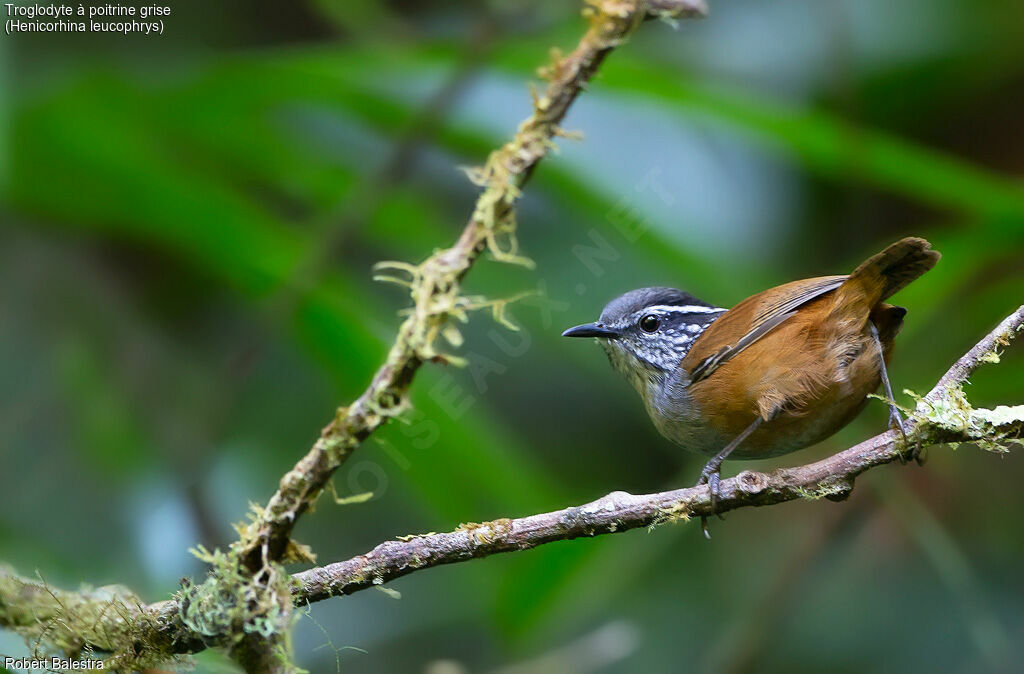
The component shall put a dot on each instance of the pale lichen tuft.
(951, 417)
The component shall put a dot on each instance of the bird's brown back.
(810, 374)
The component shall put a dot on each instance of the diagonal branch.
(137, 634)
(107, 618)
(435, 283)
(982, 352)
(831, 478)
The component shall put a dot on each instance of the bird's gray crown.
(625, 307)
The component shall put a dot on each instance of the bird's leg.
(712, 473)
(895, 418)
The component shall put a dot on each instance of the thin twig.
(981, 353)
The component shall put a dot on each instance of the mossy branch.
(942, 416)
(244, 604)
(435, 283)
(112, 621)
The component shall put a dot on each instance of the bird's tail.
(886, 273)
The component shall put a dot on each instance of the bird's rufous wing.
(749, 321)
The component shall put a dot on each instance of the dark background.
(189, 226)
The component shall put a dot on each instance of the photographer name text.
(51, 664)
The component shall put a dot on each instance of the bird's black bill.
(590, 330)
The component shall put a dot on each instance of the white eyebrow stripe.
(671, 308)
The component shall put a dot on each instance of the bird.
(782, 370)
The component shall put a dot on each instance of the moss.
(953, 416)
(835, 490)
(488, 532)
(230, 603)
(106, 623)
(679, 512)
(409, 537)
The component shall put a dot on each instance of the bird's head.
(647, 332)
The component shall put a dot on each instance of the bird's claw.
(712, 477)
(897, 423)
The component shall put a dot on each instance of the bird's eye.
(649, 323)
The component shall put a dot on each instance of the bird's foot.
(712, 473)
(712, 477)
(897, 423)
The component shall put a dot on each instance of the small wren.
(782, 370)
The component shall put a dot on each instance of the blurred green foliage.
(190, 223)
